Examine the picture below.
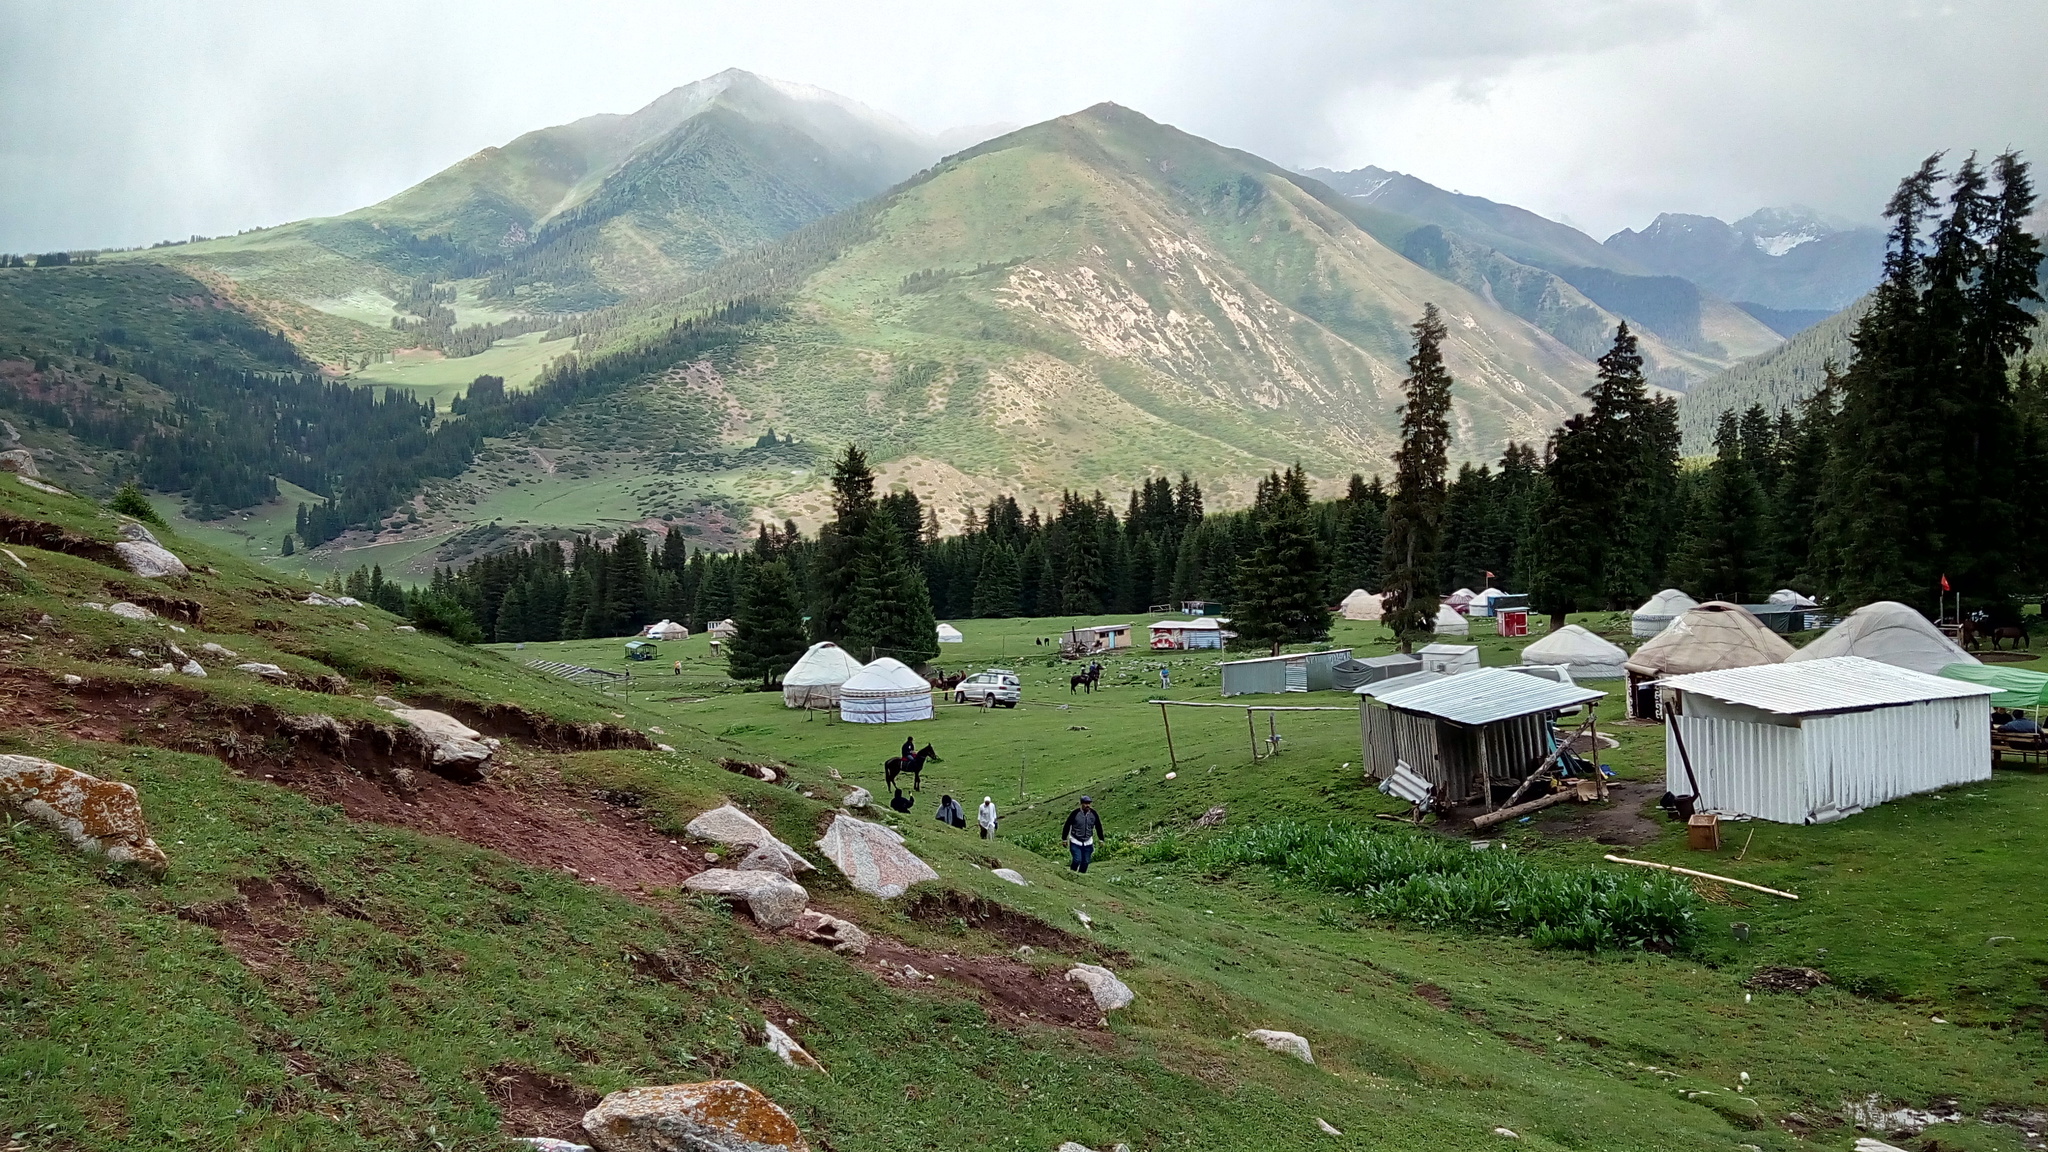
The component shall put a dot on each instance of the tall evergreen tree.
(1361, 547)
(853, 505)
(1280, 586)
(891, 612)
(771, 627)
(1415, 510)
(997, 585)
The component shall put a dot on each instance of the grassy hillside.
(325, 966)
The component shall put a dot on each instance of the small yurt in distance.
(665, 630)
(1793, 599)
(1659, 611)
(1450, 622)
(1362, 605)
(1890, 633)
(950, 635)
(814, 680)
(1588, 656)
(885, 692)
(1710, 637)
(723, 630)
(1482, 603)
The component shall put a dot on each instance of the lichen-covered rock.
(454, 748)
(832, 932)
(1286, 1043)
(153, 561)
(714, 1116)
(872, 857)
(103, 817)
(21, 462)
(858, 798)
(136, 530)
(785, 1046)
(1110, 993)
(766, 859)
(548, 1144)
(726, 824)
(774, 900)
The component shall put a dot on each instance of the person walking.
(679, 668)
(950, 814)
(1082, 830)
(986, 817)
(1165, 678)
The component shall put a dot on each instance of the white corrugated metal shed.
(1486, 695)
(1386, 688)
(1833, 684)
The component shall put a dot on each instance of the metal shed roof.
(1286, 656)
(1485, 695)
(1833, 684)
(1393, 684)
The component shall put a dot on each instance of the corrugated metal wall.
(1320, 677)
(1747, 769)
(1859, 759)
(1376, 735)
(1254, 677)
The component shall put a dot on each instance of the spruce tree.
(1415, 510)
(891, 612)
(1730, 538)
(996, 585)
(853, 505)
(771, 627)
(1363, 538)
(1280, 594)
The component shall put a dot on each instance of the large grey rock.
(728, 825)
(714, 1116)
(1110, 993)
(830, 931)
(192, 667)
(1011, 875)
(127, 611)
(453, 745)
(1286, 1043)
(134, 530)
(774, 900)
(102, 817)
(858, 798)
(872, 857)
(767, 859)
(153, 561)
(21, 462)
(267, 671)
(212, 649)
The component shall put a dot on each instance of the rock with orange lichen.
(103, 817)
(713, 1116)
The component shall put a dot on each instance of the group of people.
(1080, 833)
(2013, 723)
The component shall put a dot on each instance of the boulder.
(267, 671)
(405, 628)
(71, 680)
(454, 747)
(1110, 993)
(858, 798)
(212, 649)
(1012, 875)
(192, 667)
(872, 857)
(832, 932)
(786, 1047)
(21, 462)
(127, 611)
(149, 560)
(766, 860)
(728, 825)
(136, 530)
(103, 817)
(1286, 1043)
(713, 1116)
(322, 600)
(775, 901)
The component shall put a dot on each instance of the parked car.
(995, 686)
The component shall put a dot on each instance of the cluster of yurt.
(1706, 638)
(1482, 601)
(1659, 611)
(887, 691)
(1585, 655)
(665, 630)
(814, 680)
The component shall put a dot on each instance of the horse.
(2017, 633)
(1086, 679)
(1968, 636)
(914, 764)
(945, 683)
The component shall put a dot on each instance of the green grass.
(519, 360)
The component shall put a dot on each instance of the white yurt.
(1482, 602)
(950, 635)
(1449, 622)
(1362, 605)
(1791, 599)
(723, 630)
(1660, 610)
(666, 630)
(814, 680)
(1588, 656)
(1890, 633)
(885, 692)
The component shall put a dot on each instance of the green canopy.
(2017, 687)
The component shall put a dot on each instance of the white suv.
(995, 686)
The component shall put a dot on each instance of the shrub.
(130, 501)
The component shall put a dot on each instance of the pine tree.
(853, 505)
(1363, 540)
(1280, 594)
(891, 613)
(1415, 510)
(1731, 514)
(996, 586)
(771, 627)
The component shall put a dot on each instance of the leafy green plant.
(130, 501)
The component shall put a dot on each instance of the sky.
(127, 123)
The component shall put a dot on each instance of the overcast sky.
(122, 124)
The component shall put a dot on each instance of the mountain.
(1553, 275)
(1777, 258)
(1779, 379)
(586, 214)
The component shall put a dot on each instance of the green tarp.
(2017, 687)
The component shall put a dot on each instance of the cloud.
(123, 123)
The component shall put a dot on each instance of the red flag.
(1944, 583)
(1489, 577)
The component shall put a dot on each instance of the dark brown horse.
(2017, 633)
(914, 764)
(1088, 679)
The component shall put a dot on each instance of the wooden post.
(1677, 735)
(1251, 729)
(1172, 762)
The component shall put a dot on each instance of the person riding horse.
(911, 762)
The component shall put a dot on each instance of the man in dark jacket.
(1082, 830)
(902, 803)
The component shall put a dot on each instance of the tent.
(1815, 741)
(814, 680)
(1449, 659)
(885, 692)
(950, 635)
(666, 630)
(1450, 623)
(1361, 605)
(1588, 656)
(1482, 603)
(1890, 633)
(723, 630)
(1792, 599)
(1710, 637)
(1459, 600)
(1660, 610)
(1353, 674)
(2017, 687)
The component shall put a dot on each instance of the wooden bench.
(2021, 747)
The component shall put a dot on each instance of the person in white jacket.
(986, 817)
